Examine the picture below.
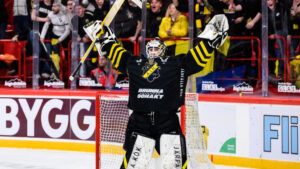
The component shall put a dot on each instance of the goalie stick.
(107, 20)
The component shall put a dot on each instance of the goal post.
(191, 127)
(112, 116)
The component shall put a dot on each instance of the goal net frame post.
(98, 121)
(192, 129)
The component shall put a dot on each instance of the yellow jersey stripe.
(125, 162)
(119, 58)
(111, 50)
(205, 50)
(115, 54)
(201, 55)
(150, 71)
(184, 165)
(196, 58)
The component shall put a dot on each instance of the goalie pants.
(152, 125)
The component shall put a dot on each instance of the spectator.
(202, 15)
(294, 30)
(234, 50)
(181, 5)
(104, 74)
(68, 11)
(3, 20)
(154, 17)
(60, 31)
(252, 17)
(90, 5)
(277, 27)
(251, 20)
(233, 10)
(174, 25)
(45, 8)
(296, 9)
(22, 23)
(84, 17)
(101, 9)
(128, 23)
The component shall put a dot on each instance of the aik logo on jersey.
(151, 71)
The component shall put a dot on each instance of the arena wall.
(253, 132)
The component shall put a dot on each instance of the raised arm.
(108, 46)
(214, 35)
(45, 29)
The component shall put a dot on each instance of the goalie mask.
(155, 48)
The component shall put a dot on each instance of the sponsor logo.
(287, 88)
(135, 156)
(139, 61)
(182, 87)
(16, 83)
(151, 71)
(124, 84)
(211, 86)
(47, 118)
(283, 129)
(88, 82)
(150, 93)
(177, 154)
(243, 87)
(54, 83)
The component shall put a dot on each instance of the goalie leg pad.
(141, 153)
(172, 152)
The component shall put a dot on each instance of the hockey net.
(111, 121)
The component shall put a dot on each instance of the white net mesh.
(114, 116)
(196, 149)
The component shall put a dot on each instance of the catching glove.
(93, 28)
(216, 31)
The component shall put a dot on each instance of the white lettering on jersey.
(150, 93)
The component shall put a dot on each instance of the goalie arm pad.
(216, 31)
(199, 58)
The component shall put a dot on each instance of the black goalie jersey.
(159, 84)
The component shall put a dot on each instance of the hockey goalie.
(156, 91)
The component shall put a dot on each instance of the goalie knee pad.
(173, 152)
(141, 153)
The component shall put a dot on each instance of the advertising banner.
(59, 117)
(219, 119)
(274, 132)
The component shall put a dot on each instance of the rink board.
(249, 131)
(253, 132)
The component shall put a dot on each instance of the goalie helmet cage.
(111, 121)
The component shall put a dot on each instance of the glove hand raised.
(216, 31)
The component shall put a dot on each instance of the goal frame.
(98, 119)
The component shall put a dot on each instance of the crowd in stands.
(165, 19)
